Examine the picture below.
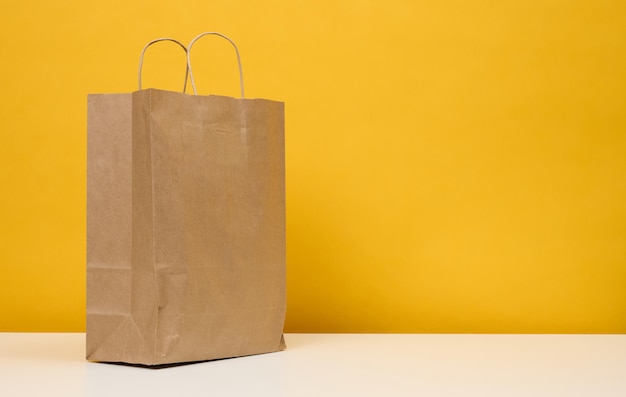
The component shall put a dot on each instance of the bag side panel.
(109, 161)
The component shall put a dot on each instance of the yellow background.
(452, 166)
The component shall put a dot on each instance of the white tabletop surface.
(48, 364)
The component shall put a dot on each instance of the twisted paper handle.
(193, 83)
(187, 69)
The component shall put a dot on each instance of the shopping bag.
(185, 225)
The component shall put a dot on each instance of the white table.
(47, 364)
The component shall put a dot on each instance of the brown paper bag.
(185, 227)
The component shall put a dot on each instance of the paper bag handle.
(187, 70)
(193, 83)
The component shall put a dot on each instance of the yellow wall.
(452, 166)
